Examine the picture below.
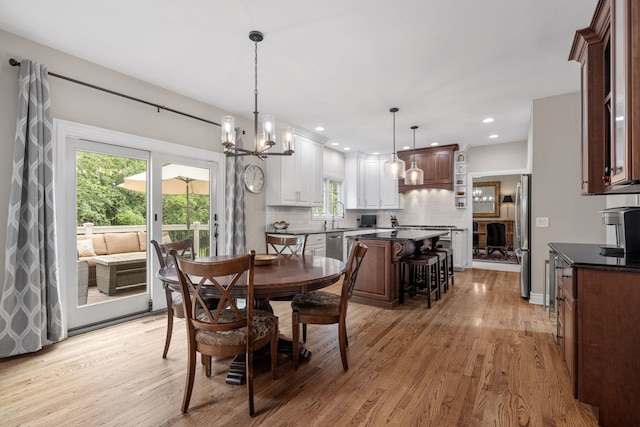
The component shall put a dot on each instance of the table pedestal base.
(237, 367)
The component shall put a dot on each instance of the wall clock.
(254, 178)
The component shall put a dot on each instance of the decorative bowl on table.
(280, 225)
(264, 259)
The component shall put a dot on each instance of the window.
(331, 194)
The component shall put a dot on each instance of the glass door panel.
(110, 220)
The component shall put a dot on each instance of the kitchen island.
(378, 282)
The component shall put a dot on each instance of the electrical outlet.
(542, 222)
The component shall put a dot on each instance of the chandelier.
(264, 140)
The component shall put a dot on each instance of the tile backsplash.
(428, 207)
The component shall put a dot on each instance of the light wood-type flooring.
(481, 356)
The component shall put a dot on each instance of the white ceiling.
(340, 64)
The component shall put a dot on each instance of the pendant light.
(414, 175)
(267, 138)
(394, 167)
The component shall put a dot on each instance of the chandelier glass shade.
(414, 175)
(394, 167)
(265, 134)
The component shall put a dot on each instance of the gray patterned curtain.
(235, 240)
(30, 311)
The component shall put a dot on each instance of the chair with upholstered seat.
(184, 248)
(325, 308)
(226, 329)
(286, 246)
(496, 239)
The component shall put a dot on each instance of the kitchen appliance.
(522, 241)
(334, 245)
(626, 221)
(368, 221)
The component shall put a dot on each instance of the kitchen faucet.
(333, 215)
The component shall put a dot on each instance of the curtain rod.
(15, 63)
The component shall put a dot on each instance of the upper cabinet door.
(608, 53)
(437, 164)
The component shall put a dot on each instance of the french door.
(99, 200)
(112, 280)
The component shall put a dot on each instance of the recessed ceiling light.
(375, 153)
(346, 148)
(494, 136)
(619, 118)
(488, 120)
(335, 143)
(319, 128)
(406, 147)
(434, 143)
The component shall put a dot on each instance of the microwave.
(369, 221)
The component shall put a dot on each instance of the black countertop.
(588, 255)
(414, 235)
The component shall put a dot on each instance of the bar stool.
(448, 267)
(443, 267)
(423, 274)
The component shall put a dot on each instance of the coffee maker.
(626, 221)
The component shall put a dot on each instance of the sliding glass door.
(116, 192)
(111, 227)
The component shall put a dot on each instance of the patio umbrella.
(176, 179)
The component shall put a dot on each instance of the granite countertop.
(299, 231)
(414, 235)
(588, 255)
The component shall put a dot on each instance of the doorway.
(491, 205)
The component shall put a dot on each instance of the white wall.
(555, 184)
(497, 159)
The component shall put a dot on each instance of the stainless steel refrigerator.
(523, 233)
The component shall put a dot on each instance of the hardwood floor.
(481, 356)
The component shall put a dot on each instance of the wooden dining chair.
(184, 248)
(325, 308)
(227, 329)
(286, 246)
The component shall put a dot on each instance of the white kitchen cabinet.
(366, 187)
(459, 245)
(296, 180)
(316, 245)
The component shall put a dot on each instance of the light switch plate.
(542, 222)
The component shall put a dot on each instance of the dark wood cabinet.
(597, 334)
(566, 319)
(378, 277)
(437, 164)
(608, 51)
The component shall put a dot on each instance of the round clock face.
(254, 178)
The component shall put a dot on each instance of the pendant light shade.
(414, 175)
(394, 167)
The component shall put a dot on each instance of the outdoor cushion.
(99, 246)
(119, 243)
(142, 240)
(85, 248)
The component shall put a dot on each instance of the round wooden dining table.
(285, 277)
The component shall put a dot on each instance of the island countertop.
(414, 235)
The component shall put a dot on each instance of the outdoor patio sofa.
(121, 259)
